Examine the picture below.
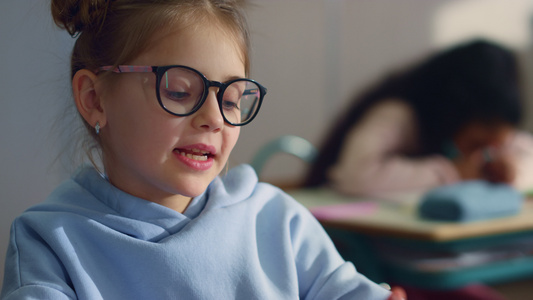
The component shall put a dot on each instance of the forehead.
(195, 39)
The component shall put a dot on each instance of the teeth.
(199, 151)
(195, 157)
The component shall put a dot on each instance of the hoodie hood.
(89, 194)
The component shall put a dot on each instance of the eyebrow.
(229, 78)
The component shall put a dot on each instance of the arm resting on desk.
(373, 160)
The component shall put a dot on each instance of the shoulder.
(389, 115)
(391, 107)
(391, 121)
(83, 191)
(74, 199)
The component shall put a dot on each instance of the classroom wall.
(311, 54)
(33, 89)
(314, 55)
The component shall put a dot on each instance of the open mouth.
(195, 154)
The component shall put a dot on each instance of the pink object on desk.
(343, 211)
(469, 292)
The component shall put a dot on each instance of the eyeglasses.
(181, 91)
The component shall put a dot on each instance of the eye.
(176, 96)
(230, 105)
(233, 95)
(177, 87)
(232, 99)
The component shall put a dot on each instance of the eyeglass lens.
(181, 91)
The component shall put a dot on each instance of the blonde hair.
(114, 32)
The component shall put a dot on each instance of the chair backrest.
(290, 144)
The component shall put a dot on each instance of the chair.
(290, 144)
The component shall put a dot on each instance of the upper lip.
(200, 148)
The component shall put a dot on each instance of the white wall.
(311, 54)
(33, 88)
(314, 55)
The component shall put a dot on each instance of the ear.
(88, 98)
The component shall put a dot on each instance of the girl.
(162, 88)
(451, 117)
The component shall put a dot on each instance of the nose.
(209, 117)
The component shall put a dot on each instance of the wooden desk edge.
(444, 233)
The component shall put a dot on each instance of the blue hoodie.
(240, 239)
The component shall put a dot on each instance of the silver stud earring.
(97, 128)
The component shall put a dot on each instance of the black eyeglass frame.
(160, 71)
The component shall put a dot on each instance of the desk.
(397, 225)
(398, 218)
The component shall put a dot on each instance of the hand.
(500, 168)
(397, 293)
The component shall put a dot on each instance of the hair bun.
(77, 16)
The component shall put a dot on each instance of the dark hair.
(472, 81)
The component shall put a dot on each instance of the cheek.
(230, 139)
(135, 120)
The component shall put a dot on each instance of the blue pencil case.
(470, 201)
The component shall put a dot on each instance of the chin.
(192, 190)
(192, 185)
